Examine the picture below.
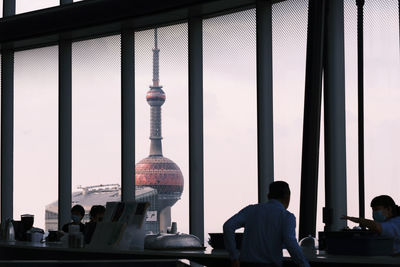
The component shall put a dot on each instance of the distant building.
(100, 195)
(158, 179)
(156, 171)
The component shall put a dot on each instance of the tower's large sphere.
(162, 174)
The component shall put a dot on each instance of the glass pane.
(23, 6)
(96, 121)
(154, 168)
(289, 32)
(350, 38)
(382, 83)
(381, 96)
(35, 132)
(230, 116)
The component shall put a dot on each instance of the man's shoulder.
(396, 219)
(288, 215)
(393, 221)
(253, 206)
(273, 206)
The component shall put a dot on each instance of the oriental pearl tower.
(157, 171)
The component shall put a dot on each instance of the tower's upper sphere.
(155, 96)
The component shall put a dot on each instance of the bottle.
(10, 233)
(75, 237)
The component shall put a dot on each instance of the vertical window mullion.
(312, 119)
(65, 132)
(265, 138)
(7, 123)
(128, 115)
(196, 148)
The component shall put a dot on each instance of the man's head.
(97, 213)
(77, 213)
(279, 190)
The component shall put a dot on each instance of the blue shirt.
(267, 228)
(391, 228)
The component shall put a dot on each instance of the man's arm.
(235, 222)
(290, 241)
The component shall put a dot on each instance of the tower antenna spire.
(155, 98)
(156, 60)
(155, 38)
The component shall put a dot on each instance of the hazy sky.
(230, 146)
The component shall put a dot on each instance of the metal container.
(177, 241)
(10, 233)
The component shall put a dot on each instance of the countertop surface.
(319, 256)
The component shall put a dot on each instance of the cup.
(27, 221)
(174, 228)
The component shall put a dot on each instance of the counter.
(55, 251)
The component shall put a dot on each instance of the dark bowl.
(216, 240)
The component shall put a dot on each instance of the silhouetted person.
(386, 215)
(96, 215)
(267, 228)
(77, 213)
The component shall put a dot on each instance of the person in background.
(267, 228)
(77, 213)
(386, 219)
(96, 215)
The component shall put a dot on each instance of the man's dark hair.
(386, 201)
(278, 190)
(78, 208)
(96, 209)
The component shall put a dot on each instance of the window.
(381, 98)
(96, 120)
(35, 131)
(230, 116)
(289, 33)
(23, 6)
(350, 38)
(172, 185)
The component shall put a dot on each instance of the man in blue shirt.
(267, 228)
